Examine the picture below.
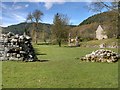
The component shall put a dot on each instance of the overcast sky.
(16, 12)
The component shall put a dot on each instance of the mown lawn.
(59, 68)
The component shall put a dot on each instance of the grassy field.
(59, 68)
(108, 42)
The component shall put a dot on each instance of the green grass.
(60, 70)
(108, 42)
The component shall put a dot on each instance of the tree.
(35, 17)
(60, 27)
(46, 33)
(30, 19)
(99, 6)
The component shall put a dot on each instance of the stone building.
(100, 33)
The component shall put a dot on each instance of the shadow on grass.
(41, 54)
(24, 61)
(42, 61)
(72, 46)
(44, 44)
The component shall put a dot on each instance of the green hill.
(20, 28)
(101, 18)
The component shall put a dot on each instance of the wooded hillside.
(108, 20)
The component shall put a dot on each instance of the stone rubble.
(16, 47)
(101, 56)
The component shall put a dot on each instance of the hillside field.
(59, 68)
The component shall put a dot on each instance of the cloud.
(13, 18)
(3, 6)
(46, 0)
(59, 0)
(27, 5)
(19, 17)
(47, 3)
(20, 6)
(14, 2)
(17, 7)
(50, 3)
(12, 15)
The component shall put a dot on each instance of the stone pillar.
(76, 41)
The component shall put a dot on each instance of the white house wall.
(99, 33)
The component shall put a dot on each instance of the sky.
(16, 12)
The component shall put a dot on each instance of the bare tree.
(100, 5)
(30, 19)
(35, 18)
